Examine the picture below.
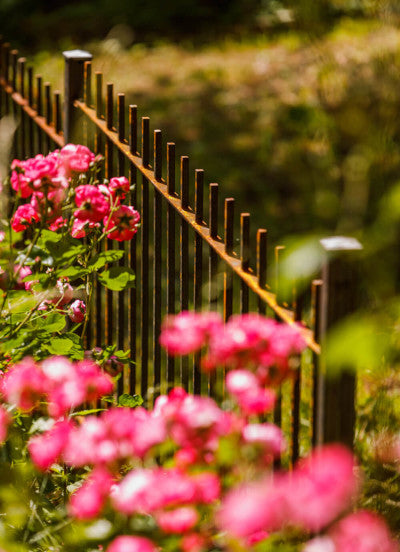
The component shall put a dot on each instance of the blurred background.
(292, 106)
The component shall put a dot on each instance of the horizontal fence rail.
(180, 259)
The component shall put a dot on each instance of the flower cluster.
(61, 383)
(169, 466)
(61, 181)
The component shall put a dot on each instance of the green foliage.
(117, 278)
(130, 400)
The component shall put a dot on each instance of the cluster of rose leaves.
(65, 182)
(192, 496)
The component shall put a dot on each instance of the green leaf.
(53, 322)
(109, 399)
(105, 257)
(50, 237)
(21, 301)
(88, 412)
(59, 345)
(72, 272)
(130, 400)
(117, 278)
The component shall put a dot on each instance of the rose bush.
(185, 475)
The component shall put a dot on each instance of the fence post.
(340, 297)
(73, 87)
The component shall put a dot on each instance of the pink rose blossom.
(257, 401)
(20, 182)
(193, 542)
(88, 501)
(363, 531)
(92, 205)
(119, 187)
(268, 436)
(145, 490)
(320, 544)
(208, 487)
(322, 486)
(46, 449)
(77, 311)
(5, 421)
(23, 384)
(58, 223)
(76, 158)
(23, 217)
(188, 331)
(256, 537)
(251, 508)
(125, 221)
(63, 293)
(178, 520)
(126, 543)
(81, 227)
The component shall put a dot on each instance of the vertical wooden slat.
(57, 111)
(31, 147)
(39, 109)
(198, 269)
(297, 381)
(170, 252)
(244, 260)
(13, 64)
(99, 110)
(278, 407)
(87, 91)
(317, 415)
(157, 297)
(87, 98)
(132, 308)
(184, 260)
(21, 71)
(228, 238)
(144, 283)
(278, 250)
(212, 267)
(261, 265)
(6, 74)
(21, 67)
(121, 132)
(47, 111)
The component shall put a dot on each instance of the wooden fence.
(187, 255)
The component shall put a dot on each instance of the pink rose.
(125, 221)
(77, 311)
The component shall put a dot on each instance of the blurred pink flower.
(5, 421)
(178, 520)
(46, 449)
(126, 543)
(88, 501)
(363, 531)
(188, 331)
